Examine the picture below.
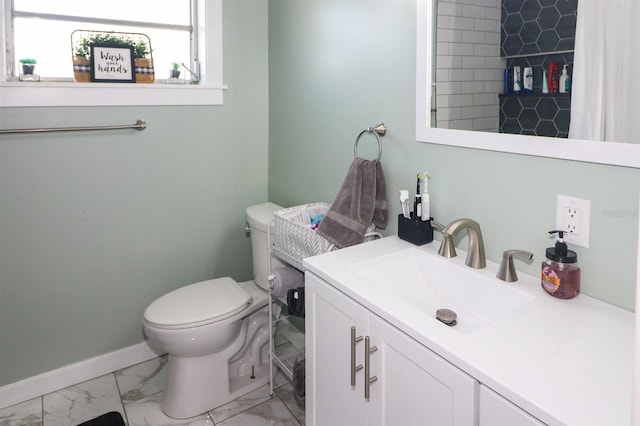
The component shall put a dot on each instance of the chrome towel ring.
(377, 131)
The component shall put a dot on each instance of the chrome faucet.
(475, 255)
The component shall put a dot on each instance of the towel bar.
(138, 125)
(377, 131)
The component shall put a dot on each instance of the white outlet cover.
(583, 208)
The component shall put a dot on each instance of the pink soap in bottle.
(560, 272)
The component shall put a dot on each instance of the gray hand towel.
(361, 200)
(285, 279)
(381, 210)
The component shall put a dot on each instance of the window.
(183, 31)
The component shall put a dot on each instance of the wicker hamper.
(293, 239)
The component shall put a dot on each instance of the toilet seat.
(198, 304)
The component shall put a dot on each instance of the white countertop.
(564, 361)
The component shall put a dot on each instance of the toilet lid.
(198, 304)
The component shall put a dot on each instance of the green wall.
(339, 66)
(95, 226)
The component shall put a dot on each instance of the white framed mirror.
(612, 153)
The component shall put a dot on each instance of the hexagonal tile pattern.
(547, 108)
(513, 43)
(549, 17)
(512, 105)
(567, 7)
(540, 115)
(528, 119)
(566, 27)
(548, 40)
(530, 10)
(531, 31)
(512, 126)
(529, 49)
(542, 26)
(513, 24)
(512, 6)
(547, 128)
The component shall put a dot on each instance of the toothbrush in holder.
(425, 198)
(404, 202)
(417, 203)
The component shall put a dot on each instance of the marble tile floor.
(136, 392)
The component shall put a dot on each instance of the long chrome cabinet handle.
(368, 350)
(354, 368)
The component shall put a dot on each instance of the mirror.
(572, 149)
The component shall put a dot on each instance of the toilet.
(216, 332)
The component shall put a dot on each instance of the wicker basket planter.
(144, 70)
(81, 69)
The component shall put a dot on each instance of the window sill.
(48, 94)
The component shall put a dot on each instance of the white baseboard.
(72, 374)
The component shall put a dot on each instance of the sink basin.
(428, 282)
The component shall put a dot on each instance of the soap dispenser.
(560, 272)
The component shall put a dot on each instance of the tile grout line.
(124, 408)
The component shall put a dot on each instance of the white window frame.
(209, 91)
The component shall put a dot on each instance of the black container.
(418, 232)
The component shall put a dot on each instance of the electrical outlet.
(573, 217)
(572, 220)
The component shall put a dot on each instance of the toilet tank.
(259, 218)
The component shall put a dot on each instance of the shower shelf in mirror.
(535, 95)
(529, 55)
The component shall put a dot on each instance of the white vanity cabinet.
(508, 370)
(496, 410)
(408, 383)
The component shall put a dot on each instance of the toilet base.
(195, 385)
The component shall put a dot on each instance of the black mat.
(112, 418)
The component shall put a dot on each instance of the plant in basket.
(83, 40)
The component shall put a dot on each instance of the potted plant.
(28, 65)
(175, 72)
(28, 68)
(139, 42)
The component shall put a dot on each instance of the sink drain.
(446, 316)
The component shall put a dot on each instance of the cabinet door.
(496, 410)
(415, 386)
(330, 398)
